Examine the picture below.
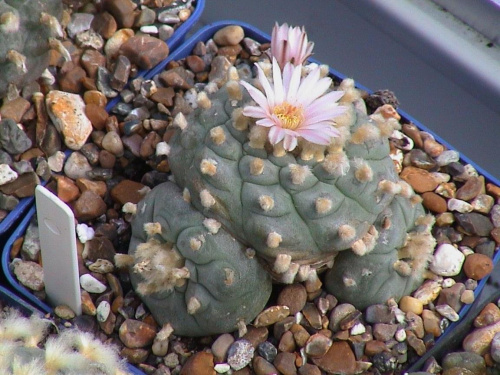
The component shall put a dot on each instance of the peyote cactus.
(69, 352)
(28, 29)
(190, 271)
(304, 192)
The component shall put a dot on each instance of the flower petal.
(290, 142)
(254, 111)
(256, 95)
(276, 134)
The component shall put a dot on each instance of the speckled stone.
(29, 274)
(12, 138)
(240, 354)
(67, 112)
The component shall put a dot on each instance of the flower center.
(290, 116)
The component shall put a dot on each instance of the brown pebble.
(263, 367)
(134, 356)
(287, 343)
(14, 109)
(122, 10)
(221, 345)
(339, 359)
(479, 340)
(256, 335)
(98, 187)
(271, 315)
(300, 334)
(434, 202)
(409, 303)
(285, 363)
(490, 314)
(309, 369)
(431, 321)
(145, 51)
(164, 95)
(201, 363)
(104, 24)
(128, 191)
(97, 115)
(89, 206)
(373, 347)
(477, 266)
(419, 179)
(195, 63)
(67, 190)
(136, 334)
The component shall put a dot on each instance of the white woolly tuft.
(323, 205)
(266, 202)
(203, 101)
(273, 240)
(217, 135)
(207, 199)
(336, 163)
(288, 277)
(347, 232)
(129, 208)
(152, 228)
(256, 166)
(234, 90)
(240, 122)
(364, 172)
(186, 195)
(193, 305)
(180, 121)
(212, 225)
(208, 167)
(299, 173)
(282, 263)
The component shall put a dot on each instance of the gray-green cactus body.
(25, 31)
(218, 283)
(308, 209)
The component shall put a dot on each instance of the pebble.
(221, 345)
(229, 35)
(88, 306)
(317, 345)
(459, 205)
(447, 312)
(447, 260)
(240, 354)
(420, 180)
(103, 311)
(409, 303)
(271, 315)
(13, 139)
(89, 206)
(145, 51)
(91, 284)
(431, 322)
(495, 348)
(267, 351)
(285, 363)
(29, 274)
(64, 312)
(339, 359)
(337, 314)
(475, 223)
(478, 266)
(128, 191)
(31, 248)
(67, 112)
(427, 292)
(490, 314)
(136, 334)
(263, 367)
(113, 45)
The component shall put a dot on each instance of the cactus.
(189, 271)
(69, 352)
(28, 29)
(303, 201)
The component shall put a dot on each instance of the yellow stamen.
(290, 116)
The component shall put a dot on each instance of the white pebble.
(56, 161)
(358, 329)
(222, 368)
(91, 284)
(447, 260)
(84, 232)
(6, 174)
(400, 335)
(162, 148)
(448, 282)
(149, 29)
(103, 310)
(459, 206)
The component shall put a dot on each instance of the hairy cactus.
(310, 185)
(70, 352)
(189, 271)
(28, 29)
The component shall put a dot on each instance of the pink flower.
(289, 44)
(295, 107)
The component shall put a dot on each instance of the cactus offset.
(28, 29)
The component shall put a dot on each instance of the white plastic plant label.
(56, 224)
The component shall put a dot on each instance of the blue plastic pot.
(204, 34)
